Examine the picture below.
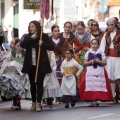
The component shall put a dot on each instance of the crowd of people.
(80, 64)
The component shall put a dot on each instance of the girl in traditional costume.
(51, 84)
(60, 42)
(68, 86)
(70, 37)
(95, 85)
(85, 38)
(74, 43)
(13, 83)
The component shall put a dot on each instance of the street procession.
(60, 60)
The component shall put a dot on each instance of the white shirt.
(71, 63)
(56, 41)
(18, 55)
(80, 36)
(33, 56)
(103, 41)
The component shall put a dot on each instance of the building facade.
(13, 12)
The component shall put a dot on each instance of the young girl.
(4, 53)
(68, 86)
(95, 84)
(51, 84)
(13, 82)
(70, 37)
(60, 42)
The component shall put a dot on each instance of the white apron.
(68, 86)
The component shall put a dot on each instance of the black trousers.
(36, 88)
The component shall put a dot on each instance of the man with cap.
(111, 45)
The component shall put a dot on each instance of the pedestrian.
(85, 38)
(63, 45)
(31, 44)
(95, 31)
(75, 44)
(11, 77)
(70, 37)
(95, 85)
(51, 85)
(111, 45)
(7, 48)
(74, 27)
(89, 25)
(2, 37)
(68, 86)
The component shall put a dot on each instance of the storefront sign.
(32, 4)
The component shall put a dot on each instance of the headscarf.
(112, 21)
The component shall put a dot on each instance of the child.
(11, 79)
(3, 60)
(68, 86)
(51, 84)
(95, 84)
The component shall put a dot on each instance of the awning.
(113, 3)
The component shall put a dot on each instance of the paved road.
(81, 111)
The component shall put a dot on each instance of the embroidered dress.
(63, 46)
(95, 84)
(111, 41)
(68, 86)
(51, 84)
(12, 80)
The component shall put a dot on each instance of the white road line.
(99, 116)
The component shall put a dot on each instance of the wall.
(114, 11)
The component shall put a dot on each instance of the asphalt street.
(81, 111)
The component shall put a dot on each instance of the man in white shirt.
(111, 45)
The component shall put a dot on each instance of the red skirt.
(95, 95)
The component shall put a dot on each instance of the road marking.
(99, 116)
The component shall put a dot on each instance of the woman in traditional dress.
(68, 86)
(63, 45)
(95, 31)
(95, 84)
(85, 38)
(51, 84)
(89, 25)
(72, 39)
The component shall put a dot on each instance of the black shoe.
(117, 97)
(50, 105)
(97, 104)
(67, 105)
(72, 104)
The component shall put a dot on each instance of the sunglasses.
(94, 24)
